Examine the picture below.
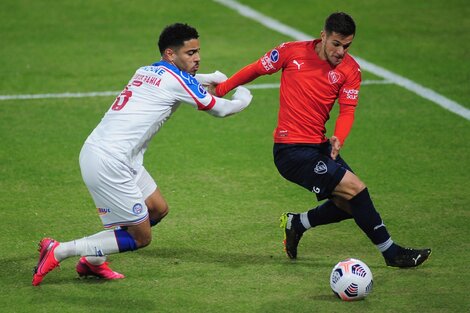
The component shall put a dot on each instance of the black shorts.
(310, 166)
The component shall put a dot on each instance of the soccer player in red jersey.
(314, 75)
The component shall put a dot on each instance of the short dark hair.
(175, 35)
(340, 23)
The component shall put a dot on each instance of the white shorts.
(118, 191)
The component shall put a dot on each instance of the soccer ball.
(351, 280)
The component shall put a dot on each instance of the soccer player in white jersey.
(111, 160)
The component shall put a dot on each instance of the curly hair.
(174, 36)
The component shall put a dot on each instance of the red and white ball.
(351, 280)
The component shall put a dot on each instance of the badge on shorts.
(320, 168)
(137, 209)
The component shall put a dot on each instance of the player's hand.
(335, 147)
(211, 89)
(243, 94)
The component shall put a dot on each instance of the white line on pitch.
(114, 93)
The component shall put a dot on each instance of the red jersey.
(309, 89)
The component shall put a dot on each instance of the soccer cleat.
(407, 257)
(85, 268)
(291, 235)
(47, 262)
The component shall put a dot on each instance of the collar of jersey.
(168, 65)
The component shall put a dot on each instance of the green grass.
(220, 247)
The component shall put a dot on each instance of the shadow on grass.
(231, 259)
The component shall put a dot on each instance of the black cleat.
(407, 257)
(291, 235)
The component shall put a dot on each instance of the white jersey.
(151, 96)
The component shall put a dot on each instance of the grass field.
(220, 248)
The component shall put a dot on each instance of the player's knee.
(358, 186)
(147, 241)
(349, 186)
(141, 234)
(143, 241)
(164, 210)
(157, 207)
(155, 217)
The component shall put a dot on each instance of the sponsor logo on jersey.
(298, 64)
(103, 211)
(139, 79)
(333, 77)
(266, 62)
(137, 209)
(274, 56)
(351, 93)
(320, 168)
(155, 68)
(202, 90)
(316, 189)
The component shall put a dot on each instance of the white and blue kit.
(111, 160)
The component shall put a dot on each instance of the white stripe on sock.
(304, 220)
(385, 245)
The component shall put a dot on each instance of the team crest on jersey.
(137, 209)
(320, 168)
(333, 77)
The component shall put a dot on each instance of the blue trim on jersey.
(191, 82)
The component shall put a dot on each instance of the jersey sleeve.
(348, 99)
(344, 122)
(187, 89)
(349, 92)
(270, 63)
(273, 60)
(224, 107)
(243, 76)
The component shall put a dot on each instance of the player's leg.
(310, 167)
(119, 202)
(335, 209)
(354, 191)
(154, 200)
(157, 209)
(107, 242)
(157, 206)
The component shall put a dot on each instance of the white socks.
(98, 245)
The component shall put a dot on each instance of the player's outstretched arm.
(224, 107)
(211, 79)
(242, 77)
